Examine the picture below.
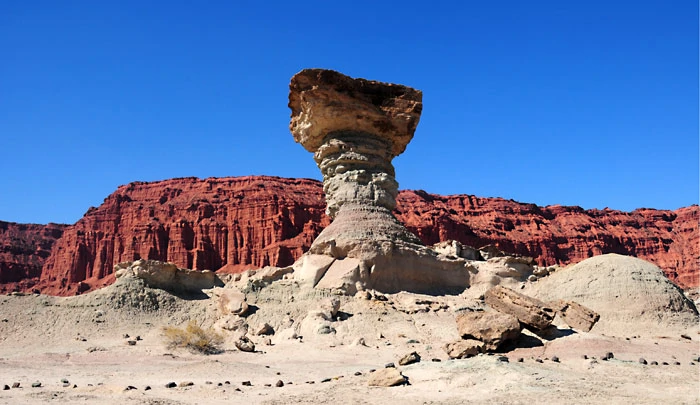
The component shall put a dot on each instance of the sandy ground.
(81, 339)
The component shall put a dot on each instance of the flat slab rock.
(492, 327)
(529, 311)
(576, 315)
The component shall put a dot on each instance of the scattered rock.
(654, 363)
(502, 359)
(129, 388)
(359, 342)
(410, 358)
(15, 385)
(170, 385)
(131, 342)
(231, 301)
(493, 328)
(686, 337)
(555, 359)
(529, 311)
(325, 380)
(246, 384)
(389, 365)
(279, 383)
(264, 329)
(64, 380)
(357, 373)
(520, 360)
(435, 360)
(642, 361)
(539, 360)
(245, 345)
(325, 329)
(6, 387)
(387, 377)
(36, 384)
(146, 388)
(608, 356)
(95, 349)
(463, 349)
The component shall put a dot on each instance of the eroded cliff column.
(354, 128)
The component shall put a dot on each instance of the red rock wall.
(23, 250)
(558, 234)
(231, 224)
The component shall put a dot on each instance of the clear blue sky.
(589, 103)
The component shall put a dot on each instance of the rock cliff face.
(23, 250)
(230, 224)
(226, 224)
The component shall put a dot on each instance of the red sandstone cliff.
(230, 224)
(23, 250)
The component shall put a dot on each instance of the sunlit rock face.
(355, 127)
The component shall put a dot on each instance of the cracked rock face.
(355, 127)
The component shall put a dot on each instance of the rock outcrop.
(23, 250)
(628, 293)
(355, 127)
(233, 224)
(530, 312)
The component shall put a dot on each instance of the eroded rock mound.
(630, 294)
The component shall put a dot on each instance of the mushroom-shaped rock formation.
(355, 127)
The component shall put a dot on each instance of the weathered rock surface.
(355, 128)
(630, 294)
(576, 315)
(23, 250)
(492, 327)
(529, 311)
(463, 349)
(167, 276)
(233, 224)
(386, 377)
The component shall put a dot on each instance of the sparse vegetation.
(194, 338)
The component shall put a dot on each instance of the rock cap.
(325, 101)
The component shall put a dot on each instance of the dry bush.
(193, 338)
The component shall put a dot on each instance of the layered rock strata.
(238, 223)
(355, 128)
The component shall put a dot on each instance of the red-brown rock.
(231, 224)
(23, 250)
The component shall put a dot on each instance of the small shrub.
(193, 338)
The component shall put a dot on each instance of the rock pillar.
(354, 128)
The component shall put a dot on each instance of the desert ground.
(78, 349)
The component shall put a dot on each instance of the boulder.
(492, 328)
(245, 345)
(576, 315)
(530, 312)
(410, 358)
(231, 301)
(387, 377)
(309, 269)
(463, 349)
(264, 329)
